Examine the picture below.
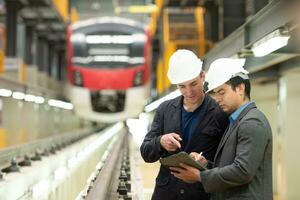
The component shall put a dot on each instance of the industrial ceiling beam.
(278, 13)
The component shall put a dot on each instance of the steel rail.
(103, 183)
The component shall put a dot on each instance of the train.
(108, 68)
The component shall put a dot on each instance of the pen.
(200, 154)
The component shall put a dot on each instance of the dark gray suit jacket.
(242, 166)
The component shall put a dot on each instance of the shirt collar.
(238, 111)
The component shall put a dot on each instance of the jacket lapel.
(233, 127)
(177, 115)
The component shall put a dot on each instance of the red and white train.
(108, 62)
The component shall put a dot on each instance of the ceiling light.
(60, 104)
(136, 9)
(39, 100)
(18, 95)
(5, 93)
(29, 98)
(270, 43)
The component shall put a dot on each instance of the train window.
(137, 49)
(103, 52)
(108, 49)
(79, 49)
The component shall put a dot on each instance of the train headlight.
(138, 78)
(78, 78)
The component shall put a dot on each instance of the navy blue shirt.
(189, 122)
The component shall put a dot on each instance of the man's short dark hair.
(236, 81)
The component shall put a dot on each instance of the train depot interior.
(80, 81)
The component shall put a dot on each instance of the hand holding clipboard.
(181, 157)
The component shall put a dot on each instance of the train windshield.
(108, 51)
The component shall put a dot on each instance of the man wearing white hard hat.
(242, 167)
(192, 122)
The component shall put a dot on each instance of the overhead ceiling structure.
(43, 13)
(92, 8)
(278, 15)
(177, 24)
(184, 3)
(181, 17)
(97, 8)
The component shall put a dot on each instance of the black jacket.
(205, 139)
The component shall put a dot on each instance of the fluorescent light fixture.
(270, 43)
(136, 9)
(5, 93)
(60, 104)
(18, 95)
(29, 98)
(152, 106)
(39, 100)
(142, 9)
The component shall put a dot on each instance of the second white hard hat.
(184, 65)
(223, 69)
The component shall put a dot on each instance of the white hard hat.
(184, 65)
(223, 69)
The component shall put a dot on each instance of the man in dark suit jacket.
(242, 167)
(192, 122)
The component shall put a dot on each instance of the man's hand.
(199, 158)
(170, 141)
(186, 173)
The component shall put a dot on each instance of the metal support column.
(29, 43)
(50, 58)
(61, 63)
(211, 16)
(42, 53)
(12, 9)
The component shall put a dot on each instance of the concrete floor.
(149, 172)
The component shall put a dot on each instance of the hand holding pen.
(198, 157)
(171, 141)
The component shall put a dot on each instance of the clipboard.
(181, 157)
